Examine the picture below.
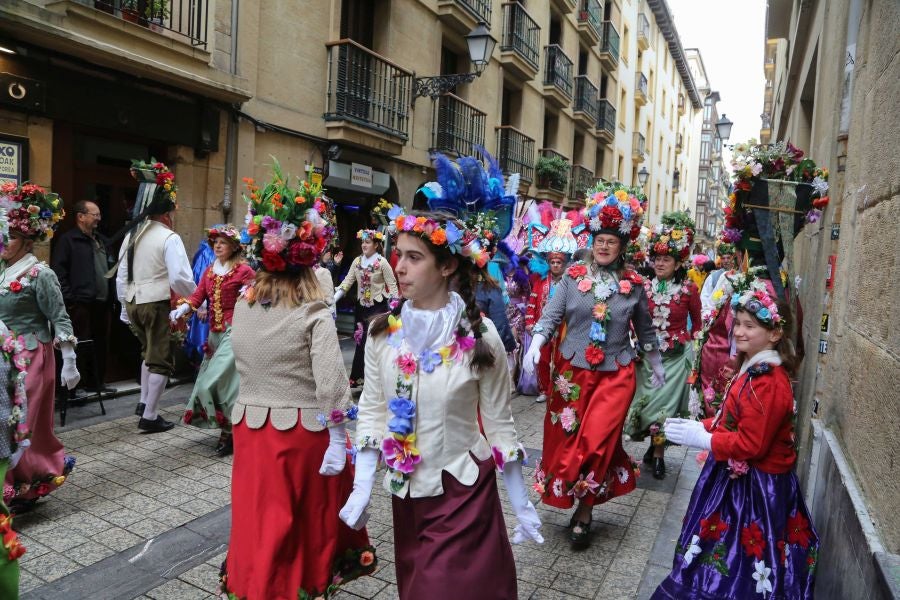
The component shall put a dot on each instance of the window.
(701, 187)
(624, 42)
(622, 105)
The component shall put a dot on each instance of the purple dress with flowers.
(747, 532)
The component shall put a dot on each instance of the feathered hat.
(615, 209)
(31, 210)
(284, 224)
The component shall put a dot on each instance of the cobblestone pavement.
(147, 516)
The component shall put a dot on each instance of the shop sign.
(21, 91)
(13, 160)
(361, 175)
(316, 175)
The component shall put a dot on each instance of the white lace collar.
(221, 269)
(365, 261)
(14, 271)
(423, 329)
(770, 356)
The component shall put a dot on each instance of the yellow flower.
(49, 233)
(59, 480)
(677, 234)
(664, 239)
(717, 295)
(621, 195)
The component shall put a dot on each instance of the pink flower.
(585, 285)
(9, 492)
(499, 460)
(400, 452)
(563, 386)
(407, 363)
(568, 419)
(702, 456)
(624, 287)
(358, 334)
(273, 242)
(337, 416)
(584, 485)
(465, 343)
(709, 394)
(539, 488)
(738, 468)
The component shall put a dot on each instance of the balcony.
(557, 76)
(368, 98)
(553, 187)
(464, 15)
(643, 31)
(609, 47)
(456, 126)
(520, 44)
(581, 181)
(606, 121)
(585, 107)
(590, 21)
(679, 139)
(640, 90)
(681, 105)
(515, 153)
(186, 20)
(565, 6)
(637, 148)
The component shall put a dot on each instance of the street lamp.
(643, 175)
(723, 128)
(481, 45)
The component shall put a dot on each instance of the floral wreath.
(615, 208)
(370, 234)
(227, 231)
(164, 177)
(284, 225)
(31, 210)
(671, 241)
(757, 301)
(449, 232)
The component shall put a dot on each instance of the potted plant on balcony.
(552, 172)
(157, 11)
(129, 10)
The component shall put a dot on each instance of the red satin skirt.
(454, 545)
(583, 458)
(285, 532)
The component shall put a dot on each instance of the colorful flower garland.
(452, 233)
(369, 234)
(31, 210)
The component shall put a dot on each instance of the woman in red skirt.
(289, 475)
(599, 301)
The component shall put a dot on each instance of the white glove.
(686, 432)
(338, 294)
(336, 453)
(354, 511)
(123, 316)
(179, 312)
(16, 456)
(533, 355)
(69, 375)
(4, 330)
(658, 379)
(526, 515)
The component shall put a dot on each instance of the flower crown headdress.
(284, 225)
(369, 234)
(31, 210)
(615, 208)
(163, 194)
(671, 241)
(753, 295)
(226, 230)
(448, 231)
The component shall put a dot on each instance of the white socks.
(156, 385)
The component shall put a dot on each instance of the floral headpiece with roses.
(163, 177)
(671, 241)
(31, 210)
(284, 224)
(449, 232)
(369, 234)
(226, 230)
(757, 300)
(616, 209)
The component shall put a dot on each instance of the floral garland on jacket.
(23, 281)
(662, 293)
(365, 281)
(13, 347)
(602, 288)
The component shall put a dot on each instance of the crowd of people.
(614, 327)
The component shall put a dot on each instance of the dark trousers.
(90, 321)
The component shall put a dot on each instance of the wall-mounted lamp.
(481, 46)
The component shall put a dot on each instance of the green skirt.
(651, 407)
(9, 568)
(216, 387)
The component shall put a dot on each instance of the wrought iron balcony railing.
(606, 119)
(640, 88)
(558, 69)
(638, 144)
(187, 19)
(521, 33)
(590, 12)
(609, 43)
(368, 89)
(643, 31)
(586, 97)
(581, 181)
(515, 152)
(457, 126)
(480, 9)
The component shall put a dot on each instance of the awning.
(366, 181)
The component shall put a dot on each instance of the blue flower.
(597, 334)
(46, 214)
(400, 425)
(735, 299)
(612, 200)
(428, 360)
(352, 412)
(763, 314)
(402, 407)
(453, 235)
(394, 212)
(626, 212)
(321, 419)
(245, 237)
(595, 210)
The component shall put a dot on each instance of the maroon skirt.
(455, 543)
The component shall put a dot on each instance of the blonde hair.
(287, 289)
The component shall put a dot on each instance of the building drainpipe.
(232, 133)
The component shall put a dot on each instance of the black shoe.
(648, 455)
(581, 538)
(156, 426)
(104, 389)
(139, 410)
(226, 446)
(659, 468)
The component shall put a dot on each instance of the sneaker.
(541, 399)
(156, 426)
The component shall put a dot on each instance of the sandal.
(581, 539)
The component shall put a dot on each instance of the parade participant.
(32, 307)
(432, 367)
(216, 387)
(289, 476)
(557, 247)
(13, 436)
(725, 253)
(674, 304)
(697, 273)
(153, 261)
(375, 286)
(600, 302)
(747, 531)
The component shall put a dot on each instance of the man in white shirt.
(150, 268)
(726, 253)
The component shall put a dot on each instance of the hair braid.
(467, 277)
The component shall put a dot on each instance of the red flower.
(366, 558)
(272, 261)
(576, 271)
(188, 417)
(610, 217)
(42, 489)
(302, 253)
(713, 528)
(220, 418)
(752, 540)
(15, 286)
(594, 355)
(820, 202)
(798, 530)
(14, 549)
